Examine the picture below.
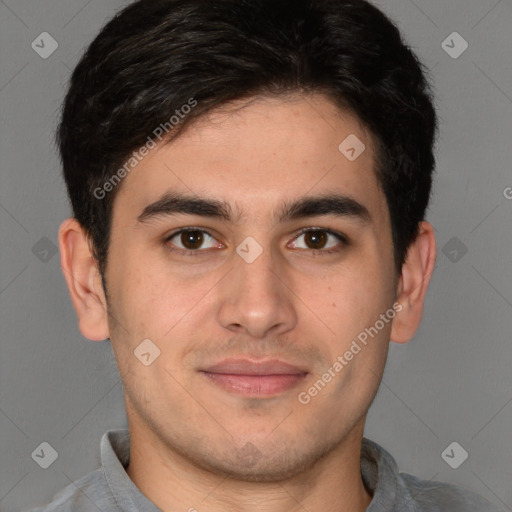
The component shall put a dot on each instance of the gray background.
(451, 383)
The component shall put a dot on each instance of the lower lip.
(255, 385)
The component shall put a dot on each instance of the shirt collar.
(379, 471)
(115, 455)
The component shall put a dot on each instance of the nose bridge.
(255, 272)
(256, 264)
(255, 297)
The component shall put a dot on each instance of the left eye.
(316, 239)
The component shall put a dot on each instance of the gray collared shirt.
(109, 488)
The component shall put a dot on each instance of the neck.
(173, 482)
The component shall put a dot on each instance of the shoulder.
(88, 494)
(403, 492)
(434, 496)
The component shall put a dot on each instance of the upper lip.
(255, 367)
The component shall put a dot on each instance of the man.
(249, 181)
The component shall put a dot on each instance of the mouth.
(252, 378)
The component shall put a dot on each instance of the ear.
(83, 280)
(413, 284)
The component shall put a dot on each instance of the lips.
(254, 378)
(250, 367)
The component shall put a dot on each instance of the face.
(250, 293)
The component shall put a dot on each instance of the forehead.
(254, 154)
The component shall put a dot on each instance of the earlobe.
(413, 284)
(83, 280)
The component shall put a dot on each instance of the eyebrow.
(173, 203)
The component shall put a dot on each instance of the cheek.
(156, 303)
(351, 299)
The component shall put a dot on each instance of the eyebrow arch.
(305, 207)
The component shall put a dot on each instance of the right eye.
(189, 241)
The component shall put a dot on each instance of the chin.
(270, 465)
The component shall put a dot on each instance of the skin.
(295, 303)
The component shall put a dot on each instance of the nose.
(256, 298)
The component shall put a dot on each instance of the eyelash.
(198, 252)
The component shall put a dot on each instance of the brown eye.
(192, 239)
(322, 240)
(315, 239)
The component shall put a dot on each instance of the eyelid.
(169, 237)
(341, 236)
